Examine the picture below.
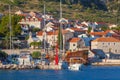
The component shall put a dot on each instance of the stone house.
(75, 44)
(107, 44)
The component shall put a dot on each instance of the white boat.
(75, 67)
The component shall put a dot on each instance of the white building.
(107, 44)
(52, 37)
(32, 22)
(75, 44)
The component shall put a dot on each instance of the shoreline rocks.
(24, 67)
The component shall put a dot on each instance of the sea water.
(87, 73)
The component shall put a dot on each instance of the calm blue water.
(87, 73)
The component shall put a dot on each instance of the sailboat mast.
(60, 9)
(10, 28)
(60, 26)
(44, 30)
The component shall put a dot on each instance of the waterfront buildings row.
(77, 35)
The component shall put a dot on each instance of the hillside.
(93, 10)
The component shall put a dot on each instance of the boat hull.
(75, 67)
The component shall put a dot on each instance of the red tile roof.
(106, 39)
(74, 40)
(99, 33)
(40, 33)
(77, 29)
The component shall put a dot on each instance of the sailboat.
(58, 61)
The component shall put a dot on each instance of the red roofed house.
(107, 44)
(52, 36)
(76, 31)
(40, 35)
(75, 44)
(34, 22)
(99, 34)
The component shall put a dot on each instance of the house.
(76, 31)
(107, 44)
(99, 24)
(32, 39)
(47, 17)
(24, 58)
(75, 44)
(28, 23)
(80, 26)
(52, 37)
(41, 35)
(63, 20)
(19, 12)
(99, 34)
(116, 34)
(112, 26)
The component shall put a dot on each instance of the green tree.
(5, 26)
(35, 44)
(104, 28)
(116, 28)
(36, 54)
(35, 29)
(60, 39)
(89, 29)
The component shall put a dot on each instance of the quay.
(22, 67)
(17, 51)
(108, 62)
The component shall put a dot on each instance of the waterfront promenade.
(17, 51)
(107, 62)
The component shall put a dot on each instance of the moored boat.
(76, 66)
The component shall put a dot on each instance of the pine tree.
(60, 39)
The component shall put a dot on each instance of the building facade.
(107, 44)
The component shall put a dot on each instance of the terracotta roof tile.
(99, 33)
(40, 33)
(106, 39)
(74, 40)
(78, 29)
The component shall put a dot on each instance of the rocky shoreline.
(22, 67)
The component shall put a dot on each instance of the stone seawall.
(108, 62)
(17, 51)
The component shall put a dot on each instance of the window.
(103, 43)
(115, 50)
(114, 43)
(73, 44)
(108, 43)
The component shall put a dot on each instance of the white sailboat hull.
(75, 67)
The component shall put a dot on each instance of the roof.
(106, 39)
(100, 22)
(99, 33)
(74, 40)
(40, 33)
(35, 18)
(56, 32)
(87, 40)
(99, 52)
(77, 29)
(117, 36)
